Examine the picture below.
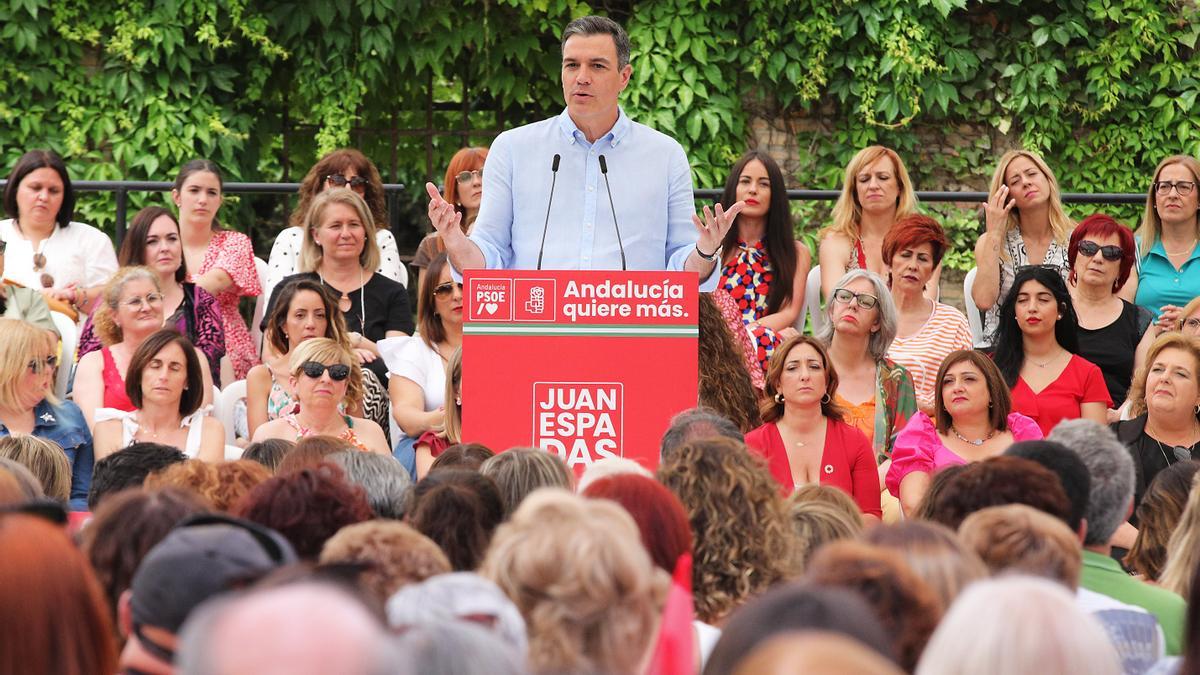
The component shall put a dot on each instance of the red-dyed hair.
(1101, 225)
(914, 230)
(659, 514)
(51, 606)
(467, 159)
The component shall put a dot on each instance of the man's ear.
(1083, 529)
(125, 613)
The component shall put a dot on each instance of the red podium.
(588, 364)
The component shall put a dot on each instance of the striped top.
(922, 353)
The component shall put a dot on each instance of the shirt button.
(591, 188)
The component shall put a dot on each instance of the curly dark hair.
(995, 482)
(724, 383)
(337, 162)
(459, 510)
(307, 506)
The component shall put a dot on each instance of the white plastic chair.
(260, 303)
(224, 406)
(974, 318)
(233, 453)
(812, 299)
(70, 342)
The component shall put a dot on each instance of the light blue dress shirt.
(651, 190)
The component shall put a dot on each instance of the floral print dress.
(232, 252)
(747, 278)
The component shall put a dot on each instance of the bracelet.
(710, 257)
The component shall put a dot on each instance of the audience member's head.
(797, 607)
(459, 510)
(1071, 471)
(20, 485)
(609, 466)
(458, 596)
(1183, 548)
(577, 570)
(393, 553)
(194, 475)
(934, 553)
(995, 482)
(742, 535)
(302, 628)
(306, 506)
(814, 653)
(1158, 516)
(44, 459)
(129, 468)
(458, 647)
(52, 609)
(468, 456)
(937, 484)
(817, 523)
(908, 608)
(384, 479)
(1032, 626)
(520, 471)
(1019, 538)
(815, 492)
(1110, 473)
(269, 452)
(311, 451)
(697, 424)
(235, 480)
(660, 517)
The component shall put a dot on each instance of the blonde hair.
(934, 552)
(1020, 538)
(519, 471)
(396, 555)
(22, 341)
(817, 523)
(847, 212)
(103, 319)
(1060, 224)
(453, 423)
(577, 571)
(310, 252)
(1169, 340)
(44, 459)
(329, 352)
(1151, 226)
(1183, 549)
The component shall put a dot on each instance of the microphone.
(608, 187)
(549, 202)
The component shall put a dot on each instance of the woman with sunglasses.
(166, 405)
(1111, 329)
(1037, 352)
(344, 168)
(28, 405)
(463, 187)
(1168, 274)
(323, 375)
(417, 364)
(67, 261)
(153, 240)
(132, 311)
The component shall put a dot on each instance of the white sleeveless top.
(129, 427)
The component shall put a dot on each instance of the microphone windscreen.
(554, 166)
(603, 165)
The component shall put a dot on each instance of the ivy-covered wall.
(131, 89)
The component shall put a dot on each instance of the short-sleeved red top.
(1080, 382)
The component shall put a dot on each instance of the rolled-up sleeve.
(493, 229)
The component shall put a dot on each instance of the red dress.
(114, 384)
(1080, 382)
(233, 253)
(847, 462)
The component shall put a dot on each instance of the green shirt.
(1104, 575)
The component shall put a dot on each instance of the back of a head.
(462, 456)
(22, 485)
(1033, 626)
(311, 451)
(382, 477)
(609, 466)
(235, 480)
(1071, 471)
(1110, 471)
(660, 517)
(44, 459)
(129, 467)
(1183, 548)
(1160, 512)
(934, 552)
(194, 475)
(395, 555)
(818, 523)
(269, 452)
(815, 492)
(459, 510)
(814, 653)
(697, 424)
(995, 482)
(1019, 538)
(520, 471)
(458, 596)
(457, 647)
(796, 607)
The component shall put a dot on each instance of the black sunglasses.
(1111, 253)
(337, 371)
(341, 181)
(38, 365)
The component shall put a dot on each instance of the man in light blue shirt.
(648, 172)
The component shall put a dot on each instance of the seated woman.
(462, 187)
(219, 261)
(432, 443)
(1026, 225)
(1111, 329)
(1165, 397)
(973, 422)
(343, 168)
(763, 267)
(153, 241)
(324, 373)
(1037, 352)
(805, 438)
(166, 403)
(132, 311)
(28, 406)
(927, 330)
(67, 261)
(1168, 269)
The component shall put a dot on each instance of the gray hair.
(384, 479)
(600, 25)
(455, 596)
(457, 647)
(881, 339)
(1110, 469)
(697, 423)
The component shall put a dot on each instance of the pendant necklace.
(975, 443)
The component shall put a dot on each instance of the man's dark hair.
(1071, 472)
(696, 424)
(129, 467)
(996, 482)
(600, 25)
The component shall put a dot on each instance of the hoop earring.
(779, 398)
(826, 399)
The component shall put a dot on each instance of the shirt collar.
(1093, 559)
(1161, 251)
(615, 135)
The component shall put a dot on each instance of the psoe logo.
(491, 300)
(535, 300)
(581, 421)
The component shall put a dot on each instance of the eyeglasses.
(845, 295)
(1183, 187)
(150, 300)
(40, 365)
(356, 183)
(465, 177)
(337, 371)
(446, 288)
(1192, 324)
(1111, 253)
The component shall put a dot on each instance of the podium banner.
(586, 364)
